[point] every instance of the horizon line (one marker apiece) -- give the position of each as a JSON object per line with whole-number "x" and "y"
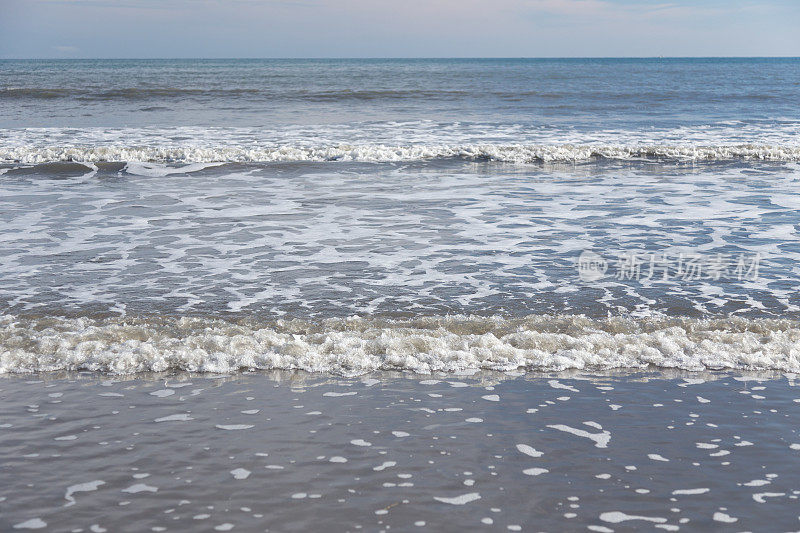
{"x": 313, "y": 58}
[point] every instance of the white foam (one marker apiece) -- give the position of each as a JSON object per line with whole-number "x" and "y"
{"x": 459, "y": 500}
{"x": 615, "y": 517}
{"x": 558, "y": 385}
{"x": 425, "y": 345}
{"x": 689, "y": 492}
{"x": 140, "y": 487}
{"x": 33, "y": 523}
{"x": 760, "y": 497}
{"x": 156, "y": 170}
{"x": 144, "y": 160}
{"x": 706, "y": 445}
{"x": 725, "y": 518}
{"x": 240, "y": 473}
{"x": 528, "y": 450}
{"x": 80, "y": 487}
{"x": 535, "y": 471}
{"x": 600, "y": 439}
{"x": 182, "y": 417}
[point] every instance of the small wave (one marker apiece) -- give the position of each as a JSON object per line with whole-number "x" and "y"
{"x": 126, "y": 93}
{"x": 375, "y": 94}
{"x": 34, "y": 93}
{"x": 429, "y": 344}
{"x": 141, "y": 93}
{"x": 509, "y": 153}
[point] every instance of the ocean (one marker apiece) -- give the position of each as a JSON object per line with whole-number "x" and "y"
{"x": 434, "y": 255}
{"x": 353, "y": 215}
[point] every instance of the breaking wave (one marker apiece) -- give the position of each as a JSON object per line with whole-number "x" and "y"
{"x": 510, "y": 153}
{"x": 428, "y": 344}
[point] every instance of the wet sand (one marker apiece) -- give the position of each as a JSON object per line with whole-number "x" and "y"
{"x": 284, "y": 451}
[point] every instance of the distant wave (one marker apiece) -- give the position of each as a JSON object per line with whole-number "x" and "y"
{"x": 427, "y": 344}
{"x": 332, "y": 95}
{"x": 510, "y": 153}
{"x": 141, "y": 93}
{"x": 33, "y": 92}
{"x": 128, "y": 93}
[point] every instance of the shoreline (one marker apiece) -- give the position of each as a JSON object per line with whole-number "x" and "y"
{"x": 259, "y": 451}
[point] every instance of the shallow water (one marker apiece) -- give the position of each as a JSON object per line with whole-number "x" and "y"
{"x": 151, "y": 245}
{"x": 326, "y": 240}
{"x": 298, "y": 452}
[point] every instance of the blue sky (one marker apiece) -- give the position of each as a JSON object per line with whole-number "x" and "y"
{"x": 409, "y": 28}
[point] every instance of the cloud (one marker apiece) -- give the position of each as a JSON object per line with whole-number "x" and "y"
{"x": 571, "y": 7}
{"x": 628, "y": 16}
{"x": 425, "y": 28}
{"x": 577, "y": 9}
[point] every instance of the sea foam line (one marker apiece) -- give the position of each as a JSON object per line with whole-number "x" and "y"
{"x": 424, "y": 345}
{"x": 510, "y": 153}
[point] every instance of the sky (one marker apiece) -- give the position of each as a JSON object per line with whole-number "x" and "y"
{"x": 400, "y": 28}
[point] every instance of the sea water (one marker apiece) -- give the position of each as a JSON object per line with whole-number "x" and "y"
{"x": 421, "y": 215}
